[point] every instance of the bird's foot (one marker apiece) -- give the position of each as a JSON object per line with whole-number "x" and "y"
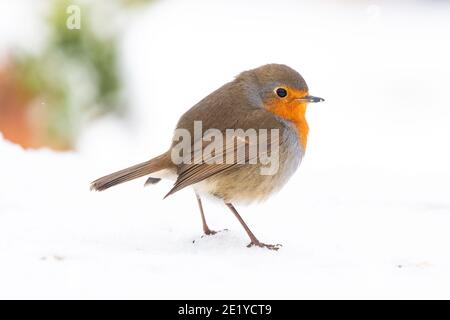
{"x": 209, "y": 232}
{"x": 274, "y": 247}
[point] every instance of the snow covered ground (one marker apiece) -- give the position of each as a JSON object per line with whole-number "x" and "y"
{"x": 366, "y": 216}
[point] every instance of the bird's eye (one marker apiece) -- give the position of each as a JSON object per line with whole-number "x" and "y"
{"x": 281, "y": 92}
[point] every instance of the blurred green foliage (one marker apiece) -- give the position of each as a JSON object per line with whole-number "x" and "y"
{"x": 87, "y": 48}
{"x": 76, "y": 75}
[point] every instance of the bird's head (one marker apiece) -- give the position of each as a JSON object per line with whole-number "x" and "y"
{"x": 282, "y": 91}
{"x": 282, "y": 86}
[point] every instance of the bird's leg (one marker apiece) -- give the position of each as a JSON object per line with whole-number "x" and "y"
{"x": 253, "y": 240}
{"x": 206, "y": 229}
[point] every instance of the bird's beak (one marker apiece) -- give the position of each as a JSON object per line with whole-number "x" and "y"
{"x": 310, "y": 99}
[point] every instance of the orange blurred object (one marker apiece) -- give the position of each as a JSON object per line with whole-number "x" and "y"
{"x": 22, "y": 116}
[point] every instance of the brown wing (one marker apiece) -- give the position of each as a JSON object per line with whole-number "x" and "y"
{"x": 239, "y": 153}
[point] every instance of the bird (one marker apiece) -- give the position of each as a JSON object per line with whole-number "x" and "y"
{"x": 272, "y": 97}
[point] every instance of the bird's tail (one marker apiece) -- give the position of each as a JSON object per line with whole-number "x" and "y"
{"x": 142, "y": 169}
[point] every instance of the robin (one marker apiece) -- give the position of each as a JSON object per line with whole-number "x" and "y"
{"x": 272, "y": 97}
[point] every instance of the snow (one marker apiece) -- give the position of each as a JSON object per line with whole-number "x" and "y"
{"x": 366, "y": 216}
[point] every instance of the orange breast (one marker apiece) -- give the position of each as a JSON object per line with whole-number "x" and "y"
{"x": 294, "y": 112}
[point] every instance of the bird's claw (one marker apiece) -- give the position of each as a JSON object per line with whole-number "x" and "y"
{"x": 212, "y": 232}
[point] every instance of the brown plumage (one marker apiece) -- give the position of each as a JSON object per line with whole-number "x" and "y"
{"x": 251, "y": 102}
{"x": 137, "y": 171}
